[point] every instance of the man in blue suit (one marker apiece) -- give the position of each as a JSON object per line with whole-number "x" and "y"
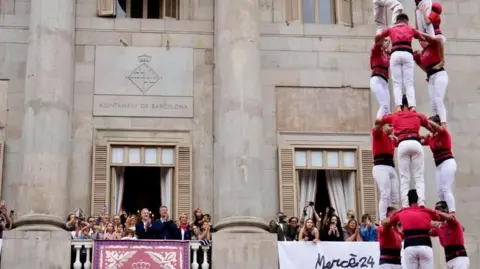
{"x": 144, "y": 229}
{"x": 165, "y": 228}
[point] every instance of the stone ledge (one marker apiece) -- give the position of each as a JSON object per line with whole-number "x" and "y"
{"x": 242, "y": 224}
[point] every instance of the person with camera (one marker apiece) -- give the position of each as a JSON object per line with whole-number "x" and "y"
{"x": 310, "y": 212}
{"x": 368, "y": 229}
{"x": 332, "y": 228}
{"x": 284, "y": 231}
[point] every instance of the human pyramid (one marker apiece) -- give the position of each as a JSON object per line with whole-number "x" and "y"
{"x": 400, "y": 129}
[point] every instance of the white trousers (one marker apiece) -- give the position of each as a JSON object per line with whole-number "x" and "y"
{"x": 437, "y": 87}
{"x": 459, "y": 263}
{"x": 422, "y": 26}
{"x": 380, "y": 88}
{"x": 389, "y": 187}
{"x": 401, "y": 66}
{"x": 411, "y": 164}
{"x": 380, "y": 12}
{"x": 444, "y": 177}
{"x": 390, "y": 266}
{"x": 418, "y": 257}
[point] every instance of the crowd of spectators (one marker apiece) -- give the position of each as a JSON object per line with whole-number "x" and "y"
{"x": 141, "y": 225}
{"x": 311, "y": 226}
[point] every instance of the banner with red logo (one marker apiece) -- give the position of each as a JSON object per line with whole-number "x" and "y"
{"x": 141, "y": 254}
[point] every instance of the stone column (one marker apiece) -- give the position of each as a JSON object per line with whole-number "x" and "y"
{"x": 41, "y": 199}
{"x": 241, "y": 240}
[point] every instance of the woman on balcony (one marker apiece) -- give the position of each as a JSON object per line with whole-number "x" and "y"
{"x": 309, "y": 232}
{"x": 184, "y": 229}
{"x": 332, "y": 229}
{"x": 110, "y": 233}
{"x": 352, "y": 231}
{"x": 131, "y": 222}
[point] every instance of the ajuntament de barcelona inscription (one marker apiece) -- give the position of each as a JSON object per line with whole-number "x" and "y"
{"x": 143, "y": 106}
{"x": 135, "y": 87}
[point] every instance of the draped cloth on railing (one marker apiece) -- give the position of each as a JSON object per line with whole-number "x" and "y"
{"x": 328, "y": 255}
{"x": 127, "y": 254}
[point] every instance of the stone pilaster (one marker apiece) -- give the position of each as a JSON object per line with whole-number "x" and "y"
{"x": 238, "y": 123}
{"x": 42, "y": 188}
{"x": 238, "y": 141}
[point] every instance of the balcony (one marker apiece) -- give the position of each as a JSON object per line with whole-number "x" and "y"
{"x": 83, "y": 252}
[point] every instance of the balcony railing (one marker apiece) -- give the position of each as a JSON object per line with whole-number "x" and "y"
{"x": 82, "y": 252}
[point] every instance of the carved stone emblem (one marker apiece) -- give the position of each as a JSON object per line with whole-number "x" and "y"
{"x": 144, "y": 77}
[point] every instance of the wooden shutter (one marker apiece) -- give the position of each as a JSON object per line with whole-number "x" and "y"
{"x": 344, "y": 12}
{"x": 2, "y": 153}
{"x": 287, "y": 184}
{"x": 183, "y": 187}
{"x": 106, "y": 8}
{"x": 369, "y": 195}
{"x": 292, "y": 11}
{"x": 100, "y": 182}
{"x": 171, "y": 9}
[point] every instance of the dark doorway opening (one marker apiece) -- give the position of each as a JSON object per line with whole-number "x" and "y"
{"x": 322, "y": 199}
{"x": 142, "y": 189}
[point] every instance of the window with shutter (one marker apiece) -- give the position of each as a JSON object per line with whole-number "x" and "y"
{"x": 106, "y": 8}
{"x": 147, "y": 9}
{"x": 344, "y": 12}
{"x": 183, "y": 193}
{"x": 368, "y": 187}
{"x": 2, "y": 153}
{"x": 100, "y": 182}
{"x": 292, "y": 10}
{"x": 287, "y": 184}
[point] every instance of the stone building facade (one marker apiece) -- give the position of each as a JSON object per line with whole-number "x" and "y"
{"x": 233, "y": 96}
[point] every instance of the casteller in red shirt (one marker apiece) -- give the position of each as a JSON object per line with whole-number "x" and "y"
{"x": 390, "y": 242}
{"x": 401, "y": 36}
{"x": 441, "y": 145}
{"x": 416, "y": 222}
{"x": 383, "y": 148}
{"x": 429, "y": 57}
{"x": 450, "y": 234}
{"x": 435, "y": 18}
{"x": 451, "y": 238}
{"x": 406, "y": 124}
{"x": 379, "y": 62}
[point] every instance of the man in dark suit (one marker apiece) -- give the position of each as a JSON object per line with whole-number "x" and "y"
{"x": 144, "y": 230}
{"x": 165, "y": 228}
{"x": 284, "y": 231}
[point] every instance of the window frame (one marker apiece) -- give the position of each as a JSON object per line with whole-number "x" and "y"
{"x": 142, "y": 148}
{"x": 325, "y": 151}
{"x": 101, "y": 191}
{"x": 334, "y": 11}
{"x": 108, "y": 8}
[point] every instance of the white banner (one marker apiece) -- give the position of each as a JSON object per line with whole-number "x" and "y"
{"x": 328, "y": 255}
